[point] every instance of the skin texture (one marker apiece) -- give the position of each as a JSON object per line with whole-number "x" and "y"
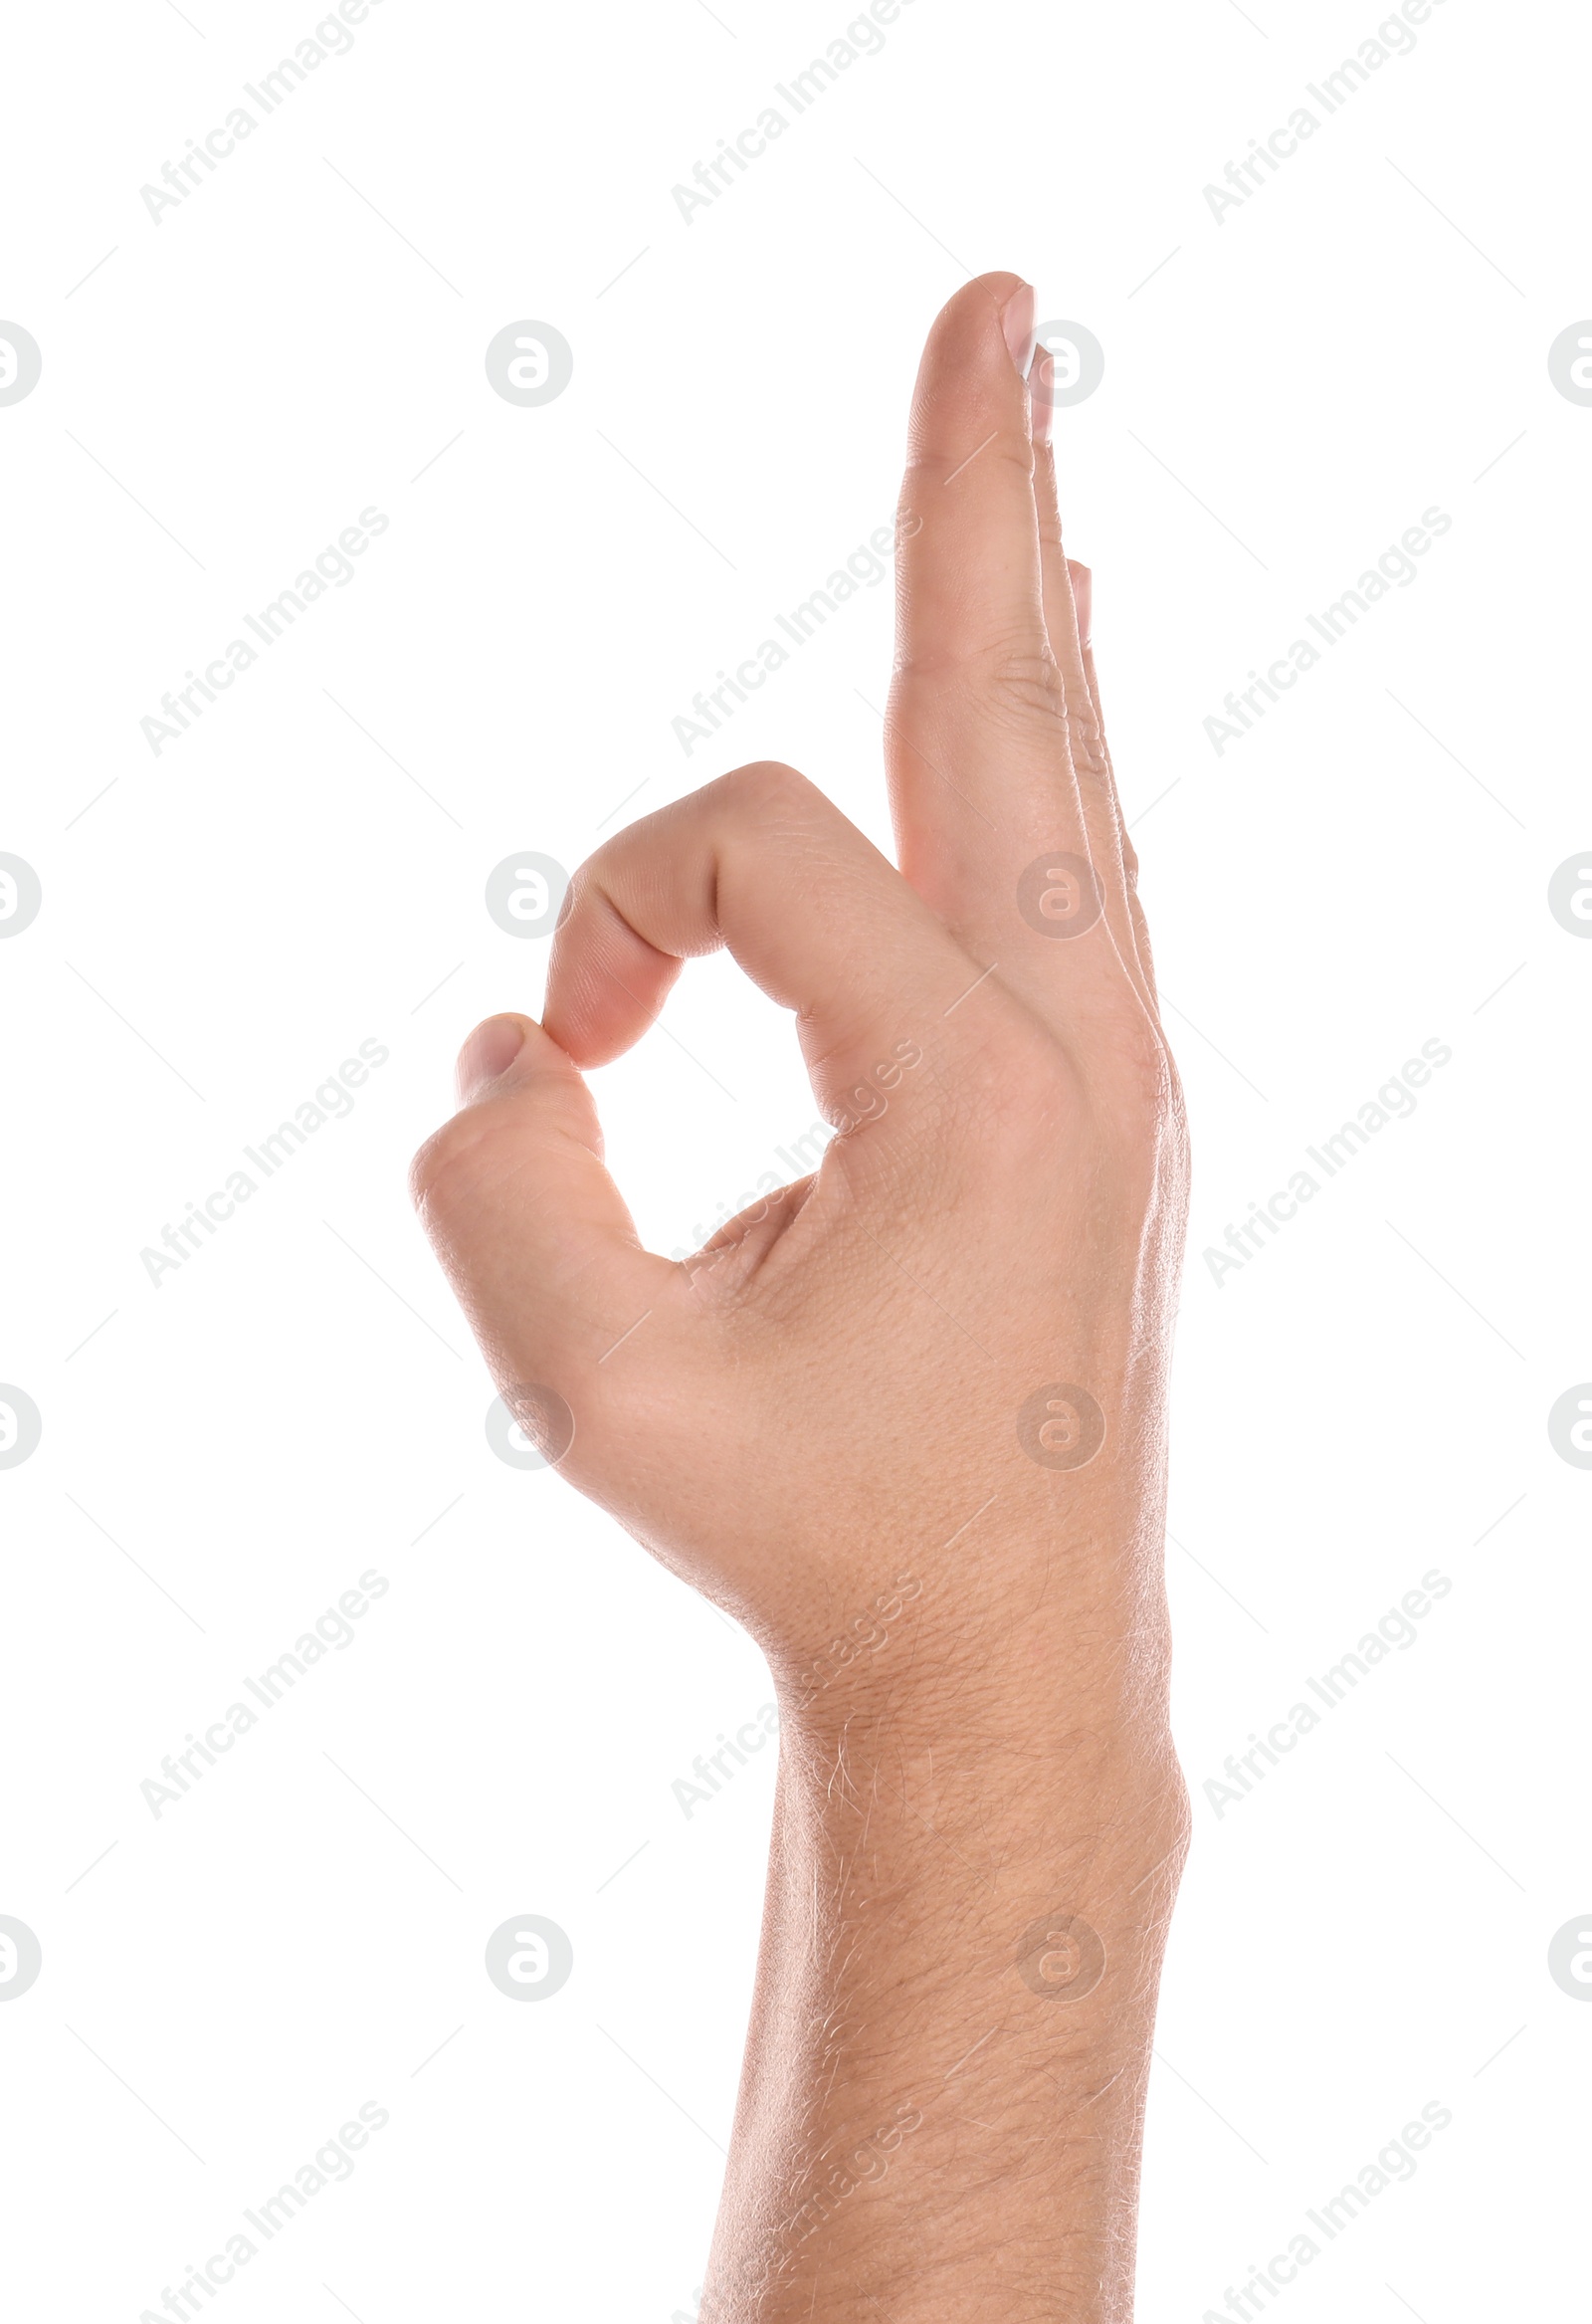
{"x": 906, "y": 1420}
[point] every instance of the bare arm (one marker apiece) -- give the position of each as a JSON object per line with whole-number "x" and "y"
{"x": 906, "y": 1420}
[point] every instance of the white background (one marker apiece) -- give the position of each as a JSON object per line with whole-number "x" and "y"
{"x": 1286, "y": 392}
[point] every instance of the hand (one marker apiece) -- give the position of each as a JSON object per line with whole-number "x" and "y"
{"x": 929, "y": 1378}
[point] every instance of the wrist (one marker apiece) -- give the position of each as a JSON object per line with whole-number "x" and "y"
{"x": 1031, "y": 1662}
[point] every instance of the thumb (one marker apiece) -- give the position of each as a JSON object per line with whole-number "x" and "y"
{"x": 531, "y": 1230}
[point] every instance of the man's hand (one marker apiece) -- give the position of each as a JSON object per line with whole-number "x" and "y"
{"x": 904, "y": 1420}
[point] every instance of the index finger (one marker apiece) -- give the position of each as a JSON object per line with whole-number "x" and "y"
{"x": 762, "y": 863}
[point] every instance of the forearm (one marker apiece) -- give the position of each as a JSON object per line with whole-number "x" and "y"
{"x": 969, "y": 1887}
{"x": 966, "y": 1307}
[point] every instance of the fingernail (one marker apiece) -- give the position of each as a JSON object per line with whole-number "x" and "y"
{"x": 1017, "y": 324}
{"x": 1041, "y": 377}
{"x": 489, "y": 1051}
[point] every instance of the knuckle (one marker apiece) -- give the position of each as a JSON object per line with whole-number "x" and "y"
{"x": 1014, "y": 682}
{"x": 1024, "y": 688}
{"x": 768, "y": 789}
{"x": 948, "y": 455}
{"x": 1088, "y": 750}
